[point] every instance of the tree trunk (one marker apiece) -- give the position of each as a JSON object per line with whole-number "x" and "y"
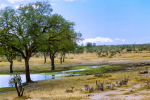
{"x": 64, "y": 57}
{"x": 52, "y": 62}
{"x": 44, "y": 57}
{"x": 20, "y": 59}
{"x": 61, "y": 60}
{"x": 11, "y": 64}
{"x": 28, "y": 79}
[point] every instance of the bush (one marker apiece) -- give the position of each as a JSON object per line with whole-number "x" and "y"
{"x": 16, "y": 81}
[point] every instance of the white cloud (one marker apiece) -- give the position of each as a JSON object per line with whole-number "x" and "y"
{"x": 117, "y": 39}
{"x": 16, "y": 7}
{"x": 13, "y": 1}
{"x": 123, "y": 40}
{"x": 97, "y": 39}
{"x": 2, "y": 5}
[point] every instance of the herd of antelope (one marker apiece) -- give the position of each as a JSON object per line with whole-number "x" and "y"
{"x": 100, "y": 85}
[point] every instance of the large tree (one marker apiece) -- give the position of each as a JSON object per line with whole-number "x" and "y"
{"x": 65, "y": 41}
{"x": 31, "y": 26}
{"x": 24, "y": 29}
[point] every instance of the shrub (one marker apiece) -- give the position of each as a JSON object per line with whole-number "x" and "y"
{"x": 16, "y": 81}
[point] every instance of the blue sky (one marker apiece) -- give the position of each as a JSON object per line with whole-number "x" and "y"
{"x": 108, "y": 22}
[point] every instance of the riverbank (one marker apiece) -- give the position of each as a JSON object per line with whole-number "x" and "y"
{"x": 37, "y": 64}
{"x": 55, "y": 89}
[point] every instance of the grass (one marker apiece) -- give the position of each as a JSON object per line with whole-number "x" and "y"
{"x": 6, "y": 89}
{"x": 98, "y": 70}
{"x": 57, "y": 87}
{"x": 37, "y": 65}
{"x": 80, "y": 67}
{"x": 129, "y": 92}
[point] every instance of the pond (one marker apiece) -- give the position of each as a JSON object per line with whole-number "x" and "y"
{"x": 35, "y": 77}
{"x": 4, "y": 79}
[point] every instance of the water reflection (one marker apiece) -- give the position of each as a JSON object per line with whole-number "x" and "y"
{"x": 53, "y": 76}
{"x": 4, "y": 79}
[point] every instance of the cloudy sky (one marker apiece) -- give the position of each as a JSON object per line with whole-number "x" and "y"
{"x": 103, "y": 21}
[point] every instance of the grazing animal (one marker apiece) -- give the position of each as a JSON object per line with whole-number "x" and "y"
{"x": 70, "y": 91}
{"x": 86, "y": 87}
{"x": 111, "y": 86}
{"x": 91, "y": 89}
{"x": 99, "y": 86}
{"x": 144, "y": 72}
{"x": 117, "y": 83}
{"x": 147, "y": 84}
{"x": 122, "y": 82}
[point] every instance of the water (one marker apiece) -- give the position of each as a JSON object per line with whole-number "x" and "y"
{"x": 4, "y": 79}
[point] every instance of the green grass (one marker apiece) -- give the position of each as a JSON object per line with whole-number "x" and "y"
{"x": 80, "y": 67}
{"x": 98, "y": 70}
{"x": 4, "y": 89}
{"x": 31, "y": 72}
{"x": 88, "y": 70}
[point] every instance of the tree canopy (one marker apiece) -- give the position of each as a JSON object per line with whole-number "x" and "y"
{"x": 31, "y": 27}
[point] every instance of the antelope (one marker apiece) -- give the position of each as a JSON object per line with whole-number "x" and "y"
{"x": 147, "y": 84}
{"x": 70, "y": 91}
{"x": 144, "y": 72}
{"x": 118, "y": 83}
{"x": 100, "y": 86}
{"x": 91, "y": 89}
{"x": 111, "y": 86}
{"x": 86, "y": 87}
{"x": 122, "y": 82}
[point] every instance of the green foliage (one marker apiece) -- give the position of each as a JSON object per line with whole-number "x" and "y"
{"x": 89, "y": 47}
{"x": 38, "y": 54}
{"x": 32, "y": 28}
{"x": 3, "y": 59}
{"x": 79, "y": 49}
{"x": 16, "y": 81}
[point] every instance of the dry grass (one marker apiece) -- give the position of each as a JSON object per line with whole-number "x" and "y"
{"x": 55, "y": 89}
{"x": 37, "y": 64}
{"x": 83, "y": 58}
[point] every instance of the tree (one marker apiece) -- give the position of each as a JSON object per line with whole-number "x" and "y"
{"x": 9, "y": 54}
{"x": 31, "y": 26}
{"x": 45, "y": 54}
{"x": 89, "y": 47}
{"x": 16, "y": 81}
{"x": 79, "y": 50}
{"x": 24, "y": 28}
{"x": 65, "y": 41}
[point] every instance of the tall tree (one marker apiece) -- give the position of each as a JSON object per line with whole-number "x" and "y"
{"x": 24, "y": 28}
{"x": 66, "y": 39}
{"x": 31, "y": 26}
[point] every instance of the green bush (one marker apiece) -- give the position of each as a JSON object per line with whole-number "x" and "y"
{"x": 3, "y": 59}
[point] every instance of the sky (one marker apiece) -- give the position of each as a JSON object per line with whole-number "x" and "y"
{"x": 104, "y": 22}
